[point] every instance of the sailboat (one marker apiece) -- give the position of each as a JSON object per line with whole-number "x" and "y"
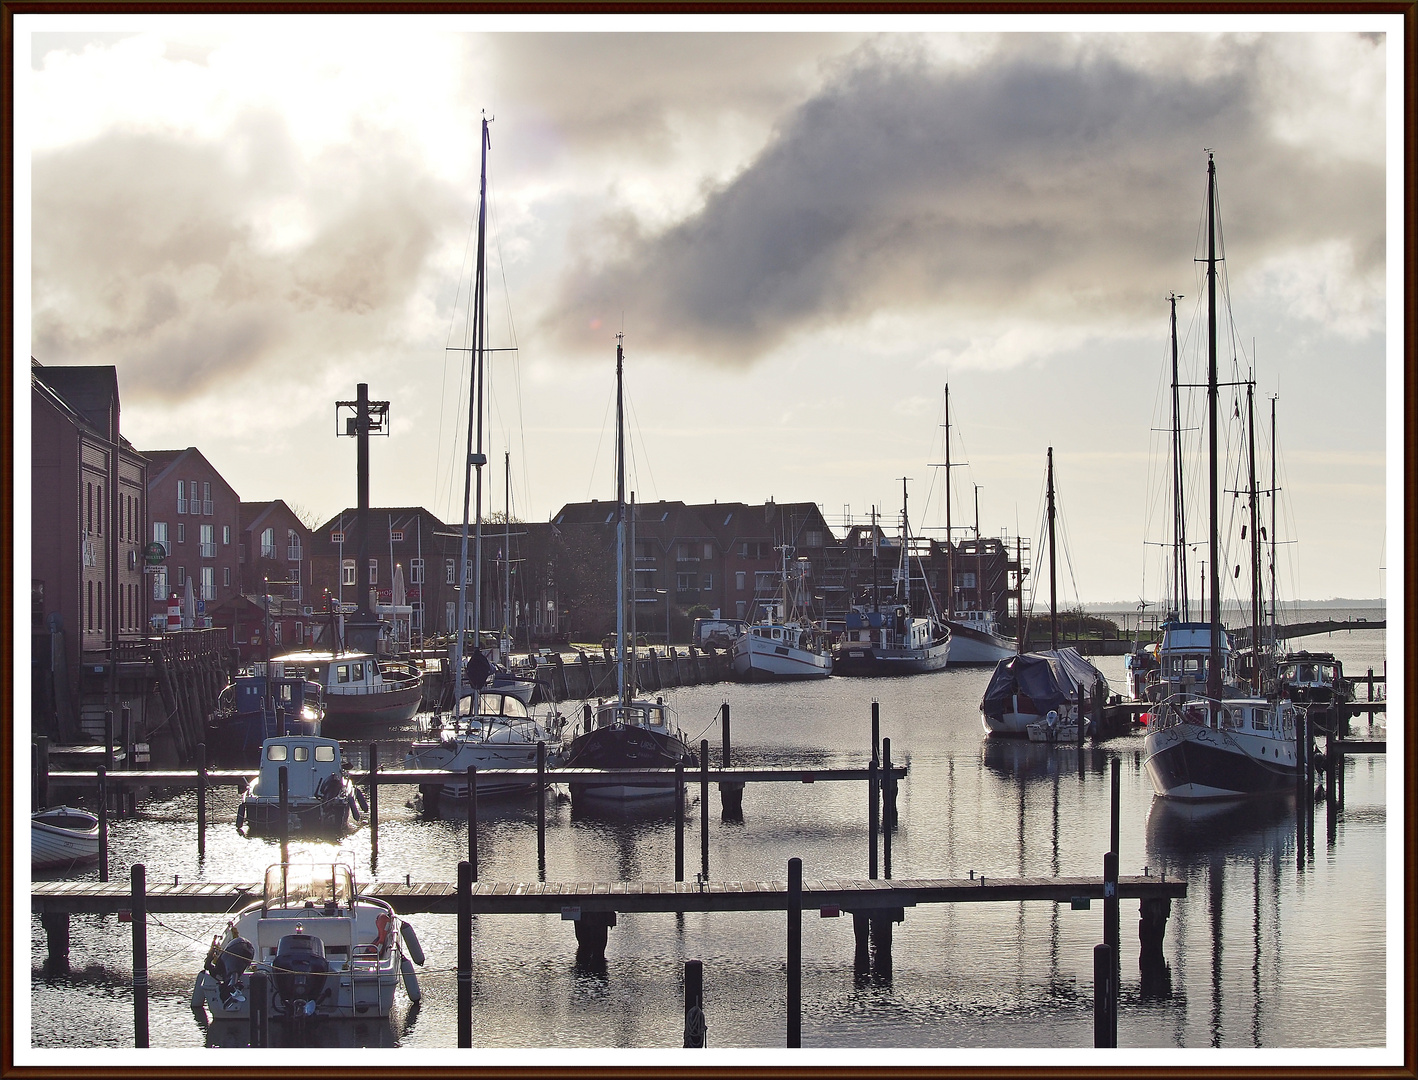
{"x": 975, "y": 637}
{"x": 489, "y": 727}
{"x": 1207, "y": 745}
{"x": 893, "y": 639}
{"x": 1036, "y": 695}
{"x": 626, "y": 732}
{"x": 785, "y": 644}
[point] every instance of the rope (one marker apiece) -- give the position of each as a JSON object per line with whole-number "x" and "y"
{"x": 696, "y": 1028}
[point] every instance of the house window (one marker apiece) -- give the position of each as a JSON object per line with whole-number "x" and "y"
{"x": 347, "y": 569}
{"x": 181, "y": 576}
{"x": 209, "y": 583}
{"x": 397, "y": 536}
{"x": 160, "y": 583}
{"x": 337, "y": 537}
{"x": 181, "y": 497}
{"x": 448, "y": 571}
{"x": 226, "y": 535}
{"x": 160, "y": 535}
{"x": 100, "y": 527}
{"x": 708, "y": 551}
{"x": 206, "y": 499}
{"x": 967, "y": 581}
{"x": 708, "y": 581}
{"x": 812, "y": 538}
{"x": 685, "y": 582}
{"x": 226, "y": 577}
{"x": 181, "y": 533}
{"x": 739, "y": 581}
{"x": 207, "y": 541}
{"x": 268, "y": 544}
{"x": 415, "y": 571}
{"x": 374, "y": 571}
{"x": 467, "y": 571}
{"x": 292, "y": 546}
{"x": 89, "y": 619}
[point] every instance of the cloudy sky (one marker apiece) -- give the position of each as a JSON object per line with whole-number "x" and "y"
{"x": 804, "y": 234}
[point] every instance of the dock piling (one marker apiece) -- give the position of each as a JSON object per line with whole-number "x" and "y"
{"x": 473, "y": 821}
{"x": 679, "y": 821}
{"x": 795, "y": 952}
{"x": 695, "y": 1029}
{"x": 283, "y": 780}
{"x": 1151, "y": 929}
{"x": 1117, "y": 804}
{"x": 56, "y": 937}
{"x": 108, "y": 739}
{"x": 465, "y": 956}
{"x": 139, "y": 880}
{"x": 1105, "y": 1018}
{"x": 373, "y": 804}
{"x": 873, "y": 824}
{"x": 1110, "y": 900}
{"x": 704, "y": 808}
{"x": 41, "y": 784}
{"x": 730, "y": 794}
{"x": 875, "y": 728}
{"x": 201, "y": 801}
{"x": 541, "y": 808}
{"x": 888, "y": 816}
{"x": 102, "y": 824}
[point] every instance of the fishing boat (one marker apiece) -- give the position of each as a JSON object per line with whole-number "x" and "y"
{"x": 319, "y": 797}
{"x": 259, "y": 705}
{"x": 786, "y": 644}
{"x": 892, "y": 639}
{"x": 1316, "y": 681}
{"x": 626, "y": 732}
{"x": 62, "y": 837}
{"x": 492, "y": 732}
{"x": 359, "y": 688}
{"x": 327, "y": 951}
{"x": 1202, "y": 743}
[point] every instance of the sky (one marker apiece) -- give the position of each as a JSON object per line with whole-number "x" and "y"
{"x": 805, "y": 230}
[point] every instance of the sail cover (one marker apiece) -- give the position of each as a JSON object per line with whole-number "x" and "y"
{"x": 1048, "y": 679}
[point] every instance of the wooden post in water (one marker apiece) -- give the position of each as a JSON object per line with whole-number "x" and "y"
{"x": 542, "y": 808}
{"x": 1105, "y": 1032}
{"x": 875, "y": 728}
{"x": 41, "y": 784}
{"x": 373, "y": 803}
{"x": 795, "y": 952}
{"x": 694, "y": 1027}
{"x": 873, "y": 824}
{"x": 1117, "y": 804}
{"x": 260, "y": 1005}
{"x": 201, "y": 801}
{"x": 1110, "y": 901}
{"x": 102, "y": 824}
{"x": 280, "y": 723}
{"x": 129, "y": 797}
{"x": 888, "y": 815}
{"x": 679, "y": 821}
{"x": 730, "y": 794}
{"x": 465, "y": 956}
{"x": 138, "y": 876}
{"x": 108, "y": 739}
{"x": 704, "y": 808}
{"x": 473, "y": 821}
{"x": 284, "y": 788}
{"x": 1081, "y": 724}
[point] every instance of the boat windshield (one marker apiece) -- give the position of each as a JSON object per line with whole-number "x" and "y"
{"x": 292, "y": 884}
{"x": 636, "y": 714}
{"x": 491, "y": 703}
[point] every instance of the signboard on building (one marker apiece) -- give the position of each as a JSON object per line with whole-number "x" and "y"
{"x": 154, "y": 553}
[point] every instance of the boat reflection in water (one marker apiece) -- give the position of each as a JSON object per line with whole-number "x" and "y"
{"x": 390, "y": 1031}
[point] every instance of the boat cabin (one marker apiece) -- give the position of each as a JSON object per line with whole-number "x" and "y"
{"x": 312, "y": 765}
{"x": 248, "y": 694}
{"x": 1255, "y": 716}
{"x": 1309, "y": 673}
{"x": 654, "y": 715}
{"x": 1185, "y": 655}
{"x": 340, "y": 673}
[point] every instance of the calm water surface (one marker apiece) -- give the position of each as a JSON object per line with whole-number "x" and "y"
{"x": 1278, "y": 943}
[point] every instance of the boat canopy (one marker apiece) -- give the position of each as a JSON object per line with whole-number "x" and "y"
{"x": 1049, "y": 679}
{"x": 293, "y": 884}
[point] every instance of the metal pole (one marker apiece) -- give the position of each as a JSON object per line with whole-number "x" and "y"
{"x": 679, "y": 821}
{"x": 374, "y": 803}
{"x": 542, "y": 807}
{"x": 102, "y": 824}
{"x": 704, "y": 808}
{"x": 465, "y": 956}
{"x": 795, "y": 952}
{"x": 201, "y": 800}
{"x": 284, "y": 781}
{"x": 108, "y": 740}
{"x": 473, "y": 821}
{"x": 42, "y": 770}
{"x": 140, "y": 955}
{"x": 873, "y": 822}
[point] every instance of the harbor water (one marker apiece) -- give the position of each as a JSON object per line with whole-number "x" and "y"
{"x": 1281, "y": 941}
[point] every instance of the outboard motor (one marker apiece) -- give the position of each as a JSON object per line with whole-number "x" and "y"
{"x": 300, "y": 973}
{"x": 227, "y": 965}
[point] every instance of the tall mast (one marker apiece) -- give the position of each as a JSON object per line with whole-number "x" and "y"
{"x": 507, "y": 634}
{"x": 906, "y": 546}
{"x": 875, "y": 576}
{"x": 1255, "y": 543}
{"x": 475, "y": 457}
{"x": 1213, "y": 667}
{"x": 1053, "y": 602}
{"x": 949, "y": 536}
{"x": 1179, "y": 515}
{"x": 621, "y": 683}
{"x": 979, "y": 583}
{"x": 1274, "y": 495}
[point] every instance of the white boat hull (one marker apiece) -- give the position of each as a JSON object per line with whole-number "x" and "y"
{"x": 53, "y": 847}
{"x": 489, "y": 758}
{"x": 756, "y": 659}
{"x": 969, "y": 645}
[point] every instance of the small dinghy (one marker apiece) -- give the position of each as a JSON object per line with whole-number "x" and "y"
{"x": 328, "y": 952}
{"x": 63, "y": 836}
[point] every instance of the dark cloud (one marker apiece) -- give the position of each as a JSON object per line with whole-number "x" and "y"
{"x": 158, "y": 254}
{"x": 1047, "y": 183}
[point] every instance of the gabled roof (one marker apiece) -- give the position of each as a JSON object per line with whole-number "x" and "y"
{"x": 164, "y": 462}
{"x": 89, "y": 391}
{"x": 255, "y": 514}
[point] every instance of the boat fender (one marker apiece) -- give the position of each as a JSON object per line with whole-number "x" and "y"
{"x": 411, "y": 943}
{"x": 240, "y": 815}
{"x": 382, "y": 926}
{"x": 363, "y": 802}
{"x": 354, "y": 806}
{"x": 411, "y": 980}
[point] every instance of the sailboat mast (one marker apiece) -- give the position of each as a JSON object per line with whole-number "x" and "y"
{"x": 1255, "y": 542}
{"x": 474, "y": 459}
{"x": 1213, "y": 668}
{"x": 1053, "y": 601}
{"x": 620, "y": 519}
{"x": 979, "y": 567}
{"x": 1179, "y": 514}
{"x": 949, "y": 536}
{"x": 875, "y": 575}
{"x": 905, "y": 548}
{"x": 507, "y": 551}
{"x": 1274, "y": 495}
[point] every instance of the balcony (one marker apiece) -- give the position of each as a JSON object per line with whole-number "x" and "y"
{"x": 206, "y": 507}
{"x": 293, "y": 553}
{"x": 207, "y": 551}
{"x": 181, "y": 506}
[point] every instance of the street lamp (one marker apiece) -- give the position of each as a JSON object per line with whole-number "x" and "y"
{"x": 666, "y": 594}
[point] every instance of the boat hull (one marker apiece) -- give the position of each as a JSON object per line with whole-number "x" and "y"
{"x": 755, "y": 660}
{"x": 395, "y": 706}
{"x": 1194, "y": 763}
{"x": 969, "y": 645}
{"x": 56, "y": 847}
{"x": 621, "y": 746}
{"x": 490, "y": 759}
{"x": 876, "y": 661}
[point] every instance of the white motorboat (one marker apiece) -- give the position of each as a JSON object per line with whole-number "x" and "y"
{"x": 492, "y": 732}
{"x": 328, "y": 952}
{"x": 62, "y": 837}
{"x": 359, "y": 687}
{"x": 1199, "y": 750}
{"x": 975, "y": 638}
{"x": 786, "y": 644}
{"x": 320, "y": 798}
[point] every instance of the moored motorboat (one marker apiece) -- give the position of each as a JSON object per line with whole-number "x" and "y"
{"x": 358, "y": 687}
{"x": 975, "y": 638}
{"x": 259, "y": 705}
{"x": 319, "y": 797}
{"x": 1024, "y": 689}
{"x": 786, "y": 644}
{"x": 62, "y": 837}
{"x": 327, "y": 951}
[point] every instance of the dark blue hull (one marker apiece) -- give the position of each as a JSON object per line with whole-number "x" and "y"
{"x": 1184, "y": 766}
